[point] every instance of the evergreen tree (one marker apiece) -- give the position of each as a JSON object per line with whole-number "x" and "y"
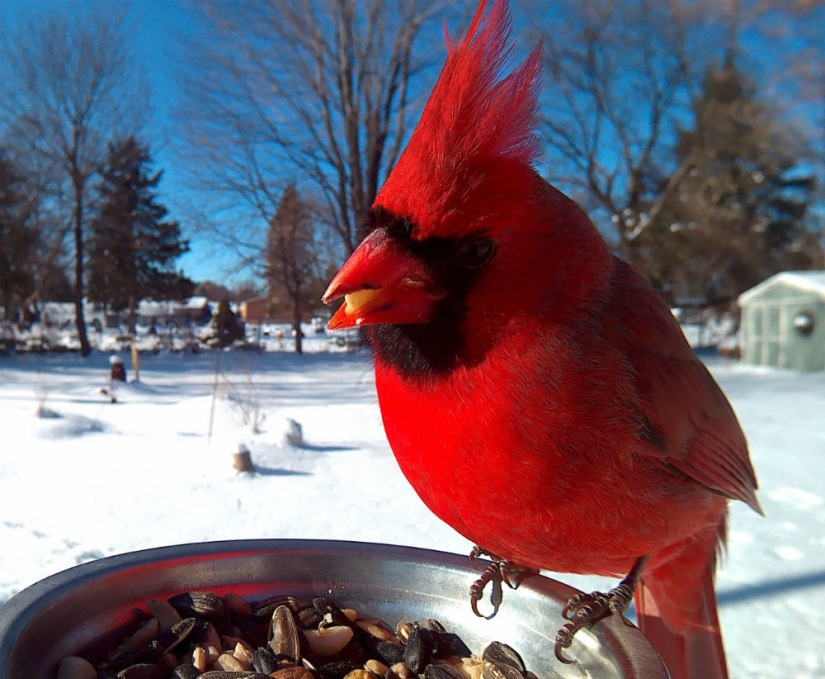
{"x": 17, "y": 240}
{"x": 133, "y": 245}
{"x": 291, "y": 259}
{"x": 739, "y": 214}
{"x": 226, "y": 328}
{"x": 56, "y": 284}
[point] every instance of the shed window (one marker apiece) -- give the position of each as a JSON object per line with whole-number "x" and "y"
{"x": 803, "y": 322}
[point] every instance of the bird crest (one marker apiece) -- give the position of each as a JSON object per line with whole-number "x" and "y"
{"x": 474, "y": 117}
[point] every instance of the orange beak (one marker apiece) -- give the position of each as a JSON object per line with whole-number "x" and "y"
{"x": 381, "y": 282}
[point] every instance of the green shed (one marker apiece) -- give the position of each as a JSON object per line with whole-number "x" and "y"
{"x": 783, "y": 321}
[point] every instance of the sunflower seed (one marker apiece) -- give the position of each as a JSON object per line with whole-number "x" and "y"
{"x": 284, "y": 641}
{"x": 419, "y": 649}
{"x": 204, "y": 605}
{"x": 502, "y": 654}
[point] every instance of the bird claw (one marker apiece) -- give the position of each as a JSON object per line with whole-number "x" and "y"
{"x": 497, "y": 572}
{"x": 490, "y": 573}
{"x": 564, "y": 637}
{"x": 585, "y": 610}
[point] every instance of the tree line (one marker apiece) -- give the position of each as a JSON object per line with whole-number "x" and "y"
{"x": 691, "y": 131}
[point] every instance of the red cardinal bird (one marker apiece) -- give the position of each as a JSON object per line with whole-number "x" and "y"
{"x": 536, "y": 391}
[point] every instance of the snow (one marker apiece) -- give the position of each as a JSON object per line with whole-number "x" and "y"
{"x": 88, "y": 478}
{"x": 812, "y": 281}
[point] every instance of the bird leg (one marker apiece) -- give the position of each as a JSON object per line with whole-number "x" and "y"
{"x": 584, "y": 610}
{"x": 500, "y": 570}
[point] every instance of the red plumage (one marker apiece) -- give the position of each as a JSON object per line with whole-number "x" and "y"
{"x": 536, "y": 391}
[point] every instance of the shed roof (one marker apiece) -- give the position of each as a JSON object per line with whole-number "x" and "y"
{"x": 812, "y": 281}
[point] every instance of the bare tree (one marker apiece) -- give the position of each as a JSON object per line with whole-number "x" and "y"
{"x": 70, "y": 89}
{"x": 47, "y": 213}
{"x": 618, "y": 78}
{"x": 317, "y": 91}
{"x": 292, "y": 261}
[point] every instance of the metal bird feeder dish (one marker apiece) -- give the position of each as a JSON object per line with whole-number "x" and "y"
{"x": 92, "y": 607}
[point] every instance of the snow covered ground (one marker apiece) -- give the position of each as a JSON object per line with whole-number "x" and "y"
{"x": 88, "y": 478}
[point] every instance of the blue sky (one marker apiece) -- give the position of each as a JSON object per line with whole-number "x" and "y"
{"x": 160, "y": 26}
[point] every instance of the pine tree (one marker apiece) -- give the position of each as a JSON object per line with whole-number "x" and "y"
{"x": 225, "y": 327}
{"x": 133, "y": 245}
{"x": 291, "y": 259}
{"x": 739, "y": 214}
{"x": 17, "y": 240}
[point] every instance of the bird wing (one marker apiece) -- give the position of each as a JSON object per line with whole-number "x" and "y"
{"x": 688, "y": 420}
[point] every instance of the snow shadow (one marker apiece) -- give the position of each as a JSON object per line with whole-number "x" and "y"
{"x": 73, "y": 426}
{"x": 316, "y": 448}
{"x": 278, "y": 471}
{"x": 45, "y": 413}
{"x": 770, "y": 588}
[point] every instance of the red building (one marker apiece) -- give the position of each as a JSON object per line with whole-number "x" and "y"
{"x": 255, "y": 310}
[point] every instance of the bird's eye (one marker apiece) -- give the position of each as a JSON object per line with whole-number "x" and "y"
{"x": 477, "y": 253}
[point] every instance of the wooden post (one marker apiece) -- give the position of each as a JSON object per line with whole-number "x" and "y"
{"x": 135, "y": 360}
{"x": 242, "y": 460}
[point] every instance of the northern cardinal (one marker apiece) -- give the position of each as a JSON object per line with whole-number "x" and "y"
{"x": 536, "y": 391}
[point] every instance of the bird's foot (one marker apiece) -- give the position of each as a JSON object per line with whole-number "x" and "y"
{"x": 500, "y": 570}
{"x": 585, "y": 610}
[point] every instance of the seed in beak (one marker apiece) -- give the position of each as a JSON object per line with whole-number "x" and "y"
{"x": 359, "y": 299}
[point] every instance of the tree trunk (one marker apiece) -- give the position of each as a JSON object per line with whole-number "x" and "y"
{"x": 80, "y": 319}
{"x": 131, "y": 319}
{"x": 296, "y": 324}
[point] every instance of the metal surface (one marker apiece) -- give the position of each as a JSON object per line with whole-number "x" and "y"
{"x": 91, "y": 605}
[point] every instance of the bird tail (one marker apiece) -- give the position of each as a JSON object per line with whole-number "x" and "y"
{"x": 678, "y": 616}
